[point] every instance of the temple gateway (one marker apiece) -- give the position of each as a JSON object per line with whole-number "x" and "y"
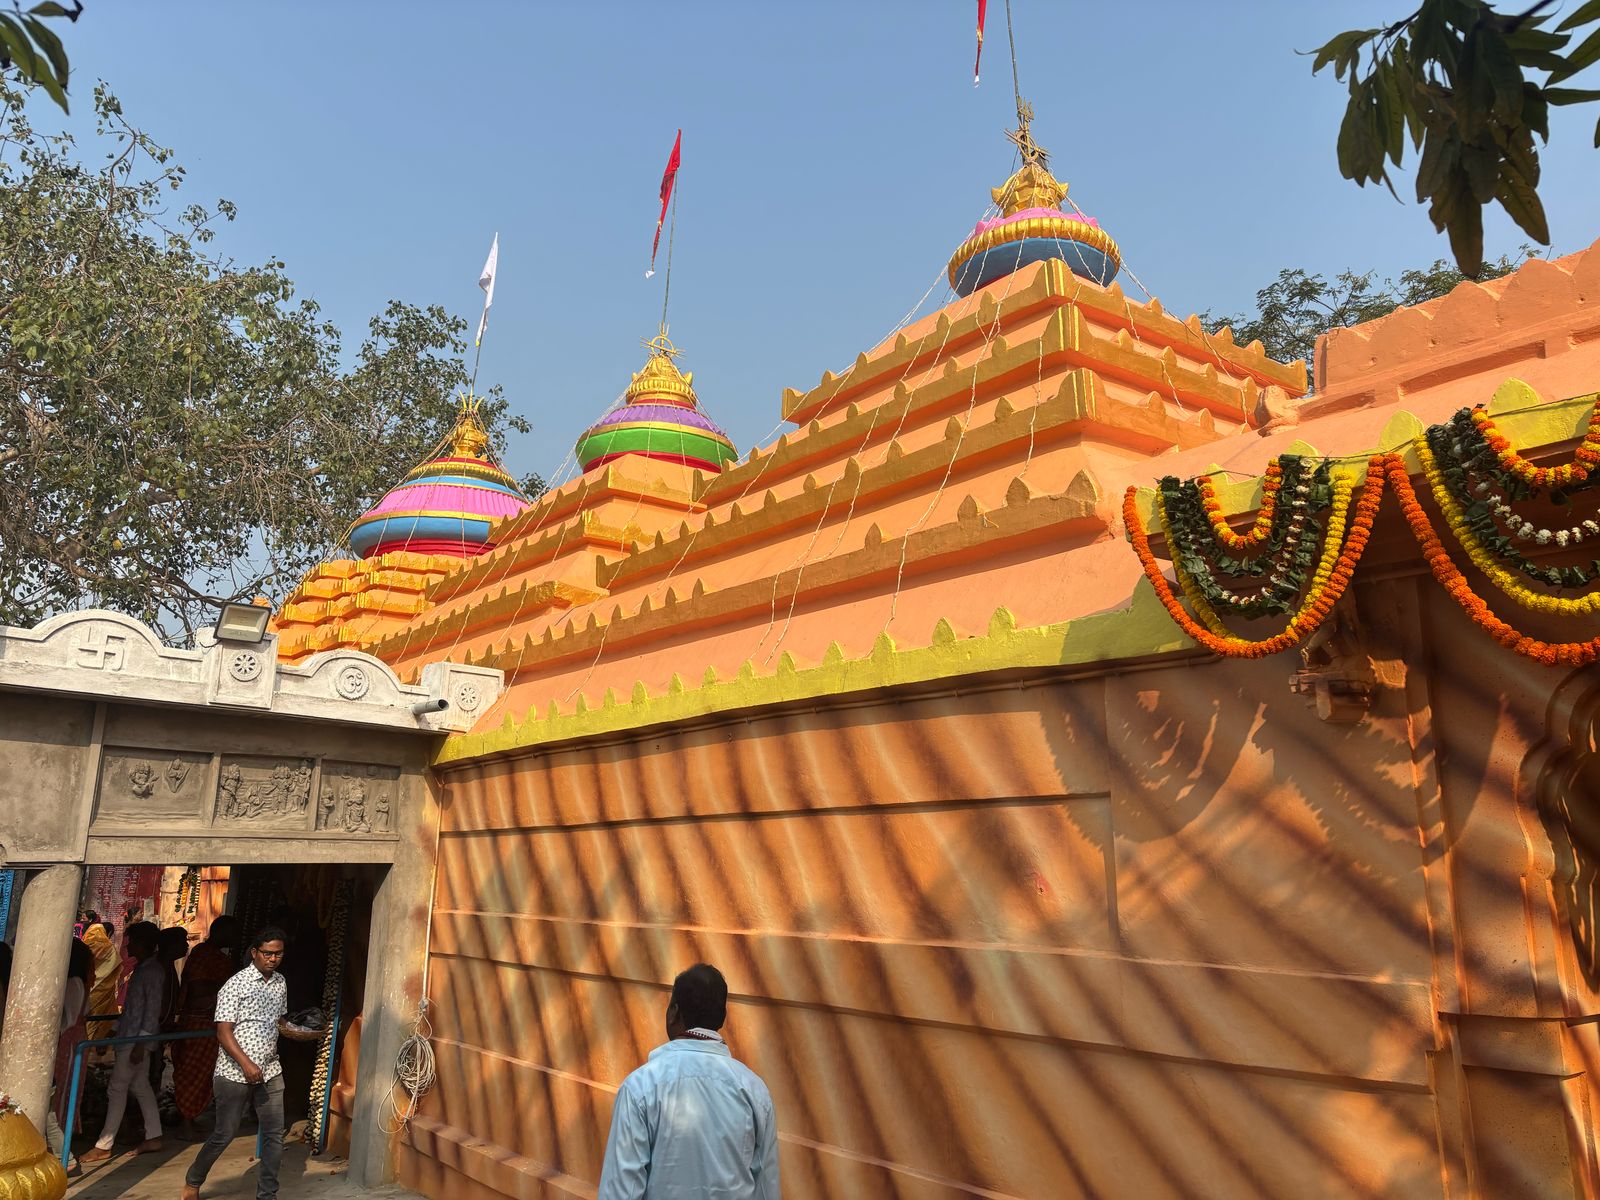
{"x": 1250, "y": 859}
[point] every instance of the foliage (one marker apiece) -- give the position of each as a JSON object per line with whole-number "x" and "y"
{"x": 177, "y": 429}
{"x": 1451, "y": 75}
{"x": 1297, "y": 308}
{"x": 30, "y": 45}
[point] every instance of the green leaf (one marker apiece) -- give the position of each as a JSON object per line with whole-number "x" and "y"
{"x": 1340, "y": 47}
{"x": 1584, "y": 15}
{"x": 19, "y": 45}
{"x": 47, "y": 41}
{"x": 51, "y": 9}
{"x": 1518, "y": 197}
{"x": 1570, "y": 95}
{"x": 1496, "y": 59}
{"x": 1584, "y": 56}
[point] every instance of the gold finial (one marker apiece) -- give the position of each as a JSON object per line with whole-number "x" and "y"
{"x": 1022, "y": 136}
{"x": 468, "y": 439}
{"x": 660, "y": 379}
{"x": 1032, "y": 186}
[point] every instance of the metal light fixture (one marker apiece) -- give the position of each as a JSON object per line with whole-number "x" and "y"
{"x": 243, "y": 623}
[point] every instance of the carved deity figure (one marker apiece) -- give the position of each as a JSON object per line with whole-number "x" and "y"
{"x": 325, "y": 806}
{"x": 228, "y": 790}
{"x": 380, "y": 810}
{"x": 255, "y": 800}
{"x": 355, "y": 807}
{"x": 177, "y": 772}
{"x": 279, "y": 795}
{"x": 142, "y": 778}
{"x": 300, "y": 786}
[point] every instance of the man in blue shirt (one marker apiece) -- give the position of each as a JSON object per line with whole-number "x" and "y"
{"x": 693, "y": 1122}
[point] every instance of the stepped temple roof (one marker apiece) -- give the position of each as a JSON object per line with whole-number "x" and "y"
{"x": 660, "y": 418}
{"x": 1032, "y": 227}
{"x": 446, "y": 505}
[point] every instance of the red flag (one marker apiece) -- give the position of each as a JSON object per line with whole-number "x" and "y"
{"x": 983, "y": 11}
{"x": 667, "y": 176}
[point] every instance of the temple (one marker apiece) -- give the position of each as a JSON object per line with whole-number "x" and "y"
{"x": 1032, "y": 876}
{"x": 883, "y": 717}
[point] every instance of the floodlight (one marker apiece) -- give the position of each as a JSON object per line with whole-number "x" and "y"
{"x": 243, "y": 623}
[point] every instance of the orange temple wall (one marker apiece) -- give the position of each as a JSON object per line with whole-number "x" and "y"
{"x": 1070, "y": 910}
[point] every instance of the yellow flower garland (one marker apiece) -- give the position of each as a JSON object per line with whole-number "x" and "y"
{"x": 1332, "y": 547}
{"x": 1507, "y": 581}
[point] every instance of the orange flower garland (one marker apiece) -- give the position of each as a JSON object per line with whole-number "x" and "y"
{"x": 1583, "y": 461}
{"x": 1570, "y": 654}
{"x": 1341, "y": 553}
{"x": 1263, "y": 523}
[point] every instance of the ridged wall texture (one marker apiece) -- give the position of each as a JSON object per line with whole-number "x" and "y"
{"x": 1155, "y": 932}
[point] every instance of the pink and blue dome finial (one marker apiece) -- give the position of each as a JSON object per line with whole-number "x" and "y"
{"x": 660, "y": 418}
{"x": 1032, "y": 226}
{"x": 449, "y": 504}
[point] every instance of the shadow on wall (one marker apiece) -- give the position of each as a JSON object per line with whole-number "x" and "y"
{"x": 1565, "y": 777}
{"x": 1162, "y": 933}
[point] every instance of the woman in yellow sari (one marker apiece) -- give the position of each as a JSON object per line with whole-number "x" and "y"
{"x": 107, "y": 967}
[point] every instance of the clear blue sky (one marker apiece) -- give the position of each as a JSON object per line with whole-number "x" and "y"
{"x": 834, "y": 154}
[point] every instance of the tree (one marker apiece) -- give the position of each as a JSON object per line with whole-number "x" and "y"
{"x": 176, "y": 429}
{"x": 1452, "y": 76}
{"x": 30, "y": 45}
{"x": 1297, "y": 308}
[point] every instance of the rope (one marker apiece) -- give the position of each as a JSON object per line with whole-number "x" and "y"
{"x": 413, "y": 1063}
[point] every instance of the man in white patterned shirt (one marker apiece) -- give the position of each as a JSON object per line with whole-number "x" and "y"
{"x": 141, "y": 1016}
{"x": 250, "y": 1015}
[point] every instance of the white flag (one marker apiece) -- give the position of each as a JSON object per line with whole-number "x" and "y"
{"x": 486, "y": 282}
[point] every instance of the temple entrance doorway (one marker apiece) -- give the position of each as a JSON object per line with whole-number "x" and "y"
{"x": 325, "y": 911}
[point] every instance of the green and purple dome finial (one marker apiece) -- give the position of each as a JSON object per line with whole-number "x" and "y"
{"x": 659, "y": 418}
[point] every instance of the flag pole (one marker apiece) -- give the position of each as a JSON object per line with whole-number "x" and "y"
{"x": 486, "y": 282}
{"x": 672, "y": 230}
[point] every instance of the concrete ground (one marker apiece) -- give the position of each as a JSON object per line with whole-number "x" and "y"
{"x": 160, "y": 1176}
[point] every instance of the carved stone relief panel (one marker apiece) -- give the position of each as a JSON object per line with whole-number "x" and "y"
{"x": 151, "y": 786}
{"x": 359, "y": 799}
{"x": 264, "y": 793}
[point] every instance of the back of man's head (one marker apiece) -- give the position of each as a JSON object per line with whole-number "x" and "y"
{"x": 142, "y": 938}
{"x": 701, "y": 997}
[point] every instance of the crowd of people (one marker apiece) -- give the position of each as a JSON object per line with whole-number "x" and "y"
{"x": 135, "y": 990}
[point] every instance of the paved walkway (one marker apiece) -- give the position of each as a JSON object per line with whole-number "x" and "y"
{"x": 160, "y": 1176}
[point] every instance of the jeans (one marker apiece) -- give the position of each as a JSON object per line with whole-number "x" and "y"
{"x": 126, "y": 1077}
{"x": 231, "y": 1100}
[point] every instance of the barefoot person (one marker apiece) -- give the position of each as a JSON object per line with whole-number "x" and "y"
{"x": 141, "y": 1015}
{"x": 250, "y": 1015}
{"x": 692, "y": 1122}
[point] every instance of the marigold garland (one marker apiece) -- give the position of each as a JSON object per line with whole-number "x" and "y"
{"x": 1577, "y": 471}
{"x": 1287, "y": 559}
{"x": 1506, "y": 581}
{"x": 1341, "y": 552}
{"x": 1222, "y": 531}
{"x": 1481, "y": 451}
{"x": 1571, "y": 654}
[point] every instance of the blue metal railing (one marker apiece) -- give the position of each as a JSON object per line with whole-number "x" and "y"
{"x": 83, "y": 1048}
